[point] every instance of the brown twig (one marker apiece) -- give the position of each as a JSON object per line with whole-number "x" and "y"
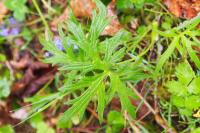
{"x": 92, "y": 112}
{"x": 158, "y": 118}
{"x": 141, "y": 97}
{"x": 133, "y": 126}
{"x": 147, "y": 113}
{"x": 90, "y": 118}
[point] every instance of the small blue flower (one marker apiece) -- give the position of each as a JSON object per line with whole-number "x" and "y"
{"x": 12, "y": 21}
{"x": 48, "y": 54}
{"x": 12, "y": 28}
{"x": 59, "y": 44}
{"x": 75, "y": 47}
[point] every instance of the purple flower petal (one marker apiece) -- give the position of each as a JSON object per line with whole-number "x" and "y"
{"x": 14, "y": 31}
{"x": 4, "y": 32}
{"x": 12, "y": 21}
{"x": 12, "y": 28}
{"x": 58, "y": 43}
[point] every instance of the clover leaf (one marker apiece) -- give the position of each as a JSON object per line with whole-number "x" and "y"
{"x": 18, "y": 7}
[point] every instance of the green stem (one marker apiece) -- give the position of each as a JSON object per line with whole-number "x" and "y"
{"x": 40, "y": 13}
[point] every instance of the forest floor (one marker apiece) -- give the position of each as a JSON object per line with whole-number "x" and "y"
{"x": 158, "y": 59}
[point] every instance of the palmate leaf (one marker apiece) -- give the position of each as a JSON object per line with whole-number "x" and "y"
{"x": 99, "y": 22}
{"x": 81, "y": 103}
{"x": 124, "y": 94}
{"x": 126, "y": 103}
{"x": 101, "y": 101}
{"x": 117, "y": 56}
{"x": 77, "y": 33}
{"x": 109, "y": 45}
{"x": 177, "y": 101}
{"x": 77, "y": 66}
{"x": 95, "y": 68}
{"x": 132, "y": 71}
{"x": 40, "y": 104}
{"x": 49, "y": 46}
{"x": 82, "y": 83}
{"x": 192, "y": 102}
{"x": 177, "y": 88}
{"x": 188, "y": 75}
{"x": 59, "y": 57}
{"x": 110, "y": 93}
{"x": 185, "y": 91}
{"x": 194, "y": 87}
{"x": 67, "y": 43}
{"x": 76, "y": 83}
{"x": 133, "y": 75}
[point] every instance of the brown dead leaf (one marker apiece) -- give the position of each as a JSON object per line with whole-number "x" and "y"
{"x": 59, "y": 1}
{"x": 38, "y": 81}
{"x": 183, "y": 8}
{"x": 33, "y": 80}
{"x": 134, "y": 24}
{"x": 3, "y": 11}
{"x": 62, "y": 18}
{"x": 143, "y": 110}
{"x": 114, "y": 25}
{"x": 36, "y": 75}
{"x": 84, "y": 8}
{"x": 6, "y": 118}
{"x": 22, "y": 63}
{"x": 80, "y": 8}
{"x": 164, "y": 124}
{"x": 20, "y": 114}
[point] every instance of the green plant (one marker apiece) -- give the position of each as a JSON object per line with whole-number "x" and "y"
{"x": 128, "y": 4}
{"x": 115, "y": 122}
{"x": 98, "y": 69}
{"x": 18, "y": 7}
{"x": 38, "y": 123}
{"x": 183, "y": 38}
{"x": 5, "y": 78}
{"x": 196, "y": 130}
{"x": 26, "y": 33}
{"x": 6, "y": 129}
{"x": 4, "y": 88}
{"x": 2, "y": 58}
{"x": 185, "y": 90}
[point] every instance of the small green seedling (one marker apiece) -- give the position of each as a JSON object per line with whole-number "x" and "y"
{"x": 185, "y": 91}
{"x": 18, "y": 7}
{"x": 115, "y": 121}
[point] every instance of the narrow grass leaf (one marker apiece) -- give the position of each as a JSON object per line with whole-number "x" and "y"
{"x": 165, "y": 56}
